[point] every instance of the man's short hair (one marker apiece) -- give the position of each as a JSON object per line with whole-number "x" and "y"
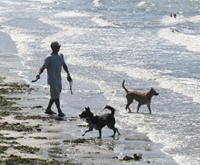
{"x": 55, "y": 44}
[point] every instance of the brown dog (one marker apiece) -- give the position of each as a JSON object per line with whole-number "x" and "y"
{"x": 141, "y": 98}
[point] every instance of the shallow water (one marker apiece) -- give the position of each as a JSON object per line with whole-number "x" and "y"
{"x": 105, "y": 42}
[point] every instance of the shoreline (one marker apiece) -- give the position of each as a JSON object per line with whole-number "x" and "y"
{"x": 31, "y": 136}
{"x": 40, "y": 137}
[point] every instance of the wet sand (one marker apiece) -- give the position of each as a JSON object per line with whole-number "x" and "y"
{"x": 61, "y": 139}
{"x": 28, "y": 135}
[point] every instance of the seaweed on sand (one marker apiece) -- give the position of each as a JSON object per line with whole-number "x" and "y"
{"x": 18, "y": 127}
{"x": 16, "y": 160}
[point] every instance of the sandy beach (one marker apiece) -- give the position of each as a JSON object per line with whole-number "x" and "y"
{"x": 29, "y": 136}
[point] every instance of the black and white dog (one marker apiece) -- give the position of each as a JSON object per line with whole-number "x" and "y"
{"x": 98, "y": 122}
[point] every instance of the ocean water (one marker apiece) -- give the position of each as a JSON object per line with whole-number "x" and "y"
{"x": 107, "y": 41}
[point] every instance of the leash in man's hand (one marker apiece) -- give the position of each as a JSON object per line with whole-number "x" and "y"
{"x": 70, "y": 83}
{"x": 68, "y": 78}
{"x": 37, "y": 78}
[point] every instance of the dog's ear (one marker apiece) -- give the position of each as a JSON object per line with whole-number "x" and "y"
{"x": 152, "y": 90}
{"x": 87, "y": 109}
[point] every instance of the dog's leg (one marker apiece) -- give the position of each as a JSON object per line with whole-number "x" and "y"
{"x": 148, "y": 105}
{"x": 114, "y": 130}
{"x": 99, "y": 133}
{"x": 129, "y": 101}
{"x": 127, "y": 106}
{"x": 138, "y": 107}
{"x": 117, "y": 131}
{"x": 90, "y": 129}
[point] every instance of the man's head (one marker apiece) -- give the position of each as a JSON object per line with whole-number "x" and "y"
{"x": 55, "y": 46}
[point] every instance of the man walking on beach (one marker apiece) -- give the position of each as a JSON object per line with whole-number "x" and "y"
{"x": 54, "y": 63}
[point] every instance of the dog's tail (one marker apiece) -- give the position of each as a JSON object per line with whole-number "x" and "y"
{"x": 124, "y": 86}
{"x": 110, "y": 108}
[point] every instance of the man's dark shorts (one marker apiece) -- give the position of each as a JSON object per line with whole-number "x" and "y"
{"x": 55, "y": 91}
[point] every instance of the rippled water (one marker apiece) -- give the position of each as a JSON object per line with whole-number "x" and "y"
{"x": 105, "y": 42}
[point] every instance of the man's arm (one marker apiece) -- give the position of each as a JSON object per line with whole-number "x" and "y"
{"x": 39, "y": 72}
{"x": 67, "y": 71}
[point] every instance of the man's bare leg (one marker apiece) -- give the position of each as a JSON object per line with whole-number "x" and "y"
{"x": 48, "y": 110}
{"x": 60, "y": 113}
